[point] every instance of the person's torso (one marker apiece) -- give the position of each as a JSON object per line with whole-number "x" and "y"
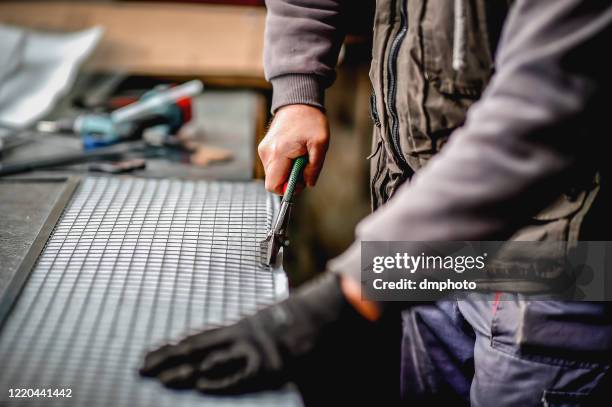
{"x": 431, "y": 61}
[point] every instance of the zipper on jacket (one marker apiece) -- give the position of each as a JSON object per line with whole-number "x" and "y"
{"x": 374, "y": 109}
{"x": 392, "y": 68}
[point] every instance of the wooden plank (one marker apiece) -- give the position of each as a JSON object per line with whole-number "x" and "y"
{"x": 158, "y": 38}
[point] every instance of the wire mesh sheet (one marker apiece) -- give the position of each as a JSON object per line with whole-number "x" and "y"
{"x": 131, "y": 264}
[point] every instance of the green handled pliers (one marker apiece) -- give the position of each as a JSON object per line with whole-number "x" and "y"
{"x": 277, "y": 237}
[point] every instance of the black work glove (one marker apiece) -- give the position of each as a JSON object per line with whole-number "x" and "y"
{"x": 315, "y": 339}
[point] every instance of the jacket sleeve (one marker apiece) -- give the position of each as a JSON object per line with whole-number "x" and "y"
{"x": 302, "y": 42}
{"x": 520, "y": 142}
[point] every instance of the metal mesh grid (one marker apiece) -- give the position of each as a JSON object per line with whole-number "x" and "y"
{"x": 133, "y": 263}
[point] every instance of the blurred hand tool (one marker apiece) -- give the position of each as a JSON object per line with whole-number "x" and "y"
{"x": 170, "y": 107}
{"x": 277, "y": 237}
{"x": 11, "y": 137}
{"x": 116, "y": 152}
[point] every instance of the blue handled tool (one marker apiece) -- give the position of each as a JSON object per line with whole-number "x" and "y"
{"x": 171, "y": 105}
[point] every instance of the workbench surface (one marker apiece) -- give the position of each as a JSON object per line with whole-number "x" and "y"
{"x": 24, "y": 207}
{"x": 226, "y": 119}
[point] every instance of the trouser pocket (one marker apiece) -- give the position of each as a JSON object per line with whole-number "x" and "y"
{"x": 532, "y": 353}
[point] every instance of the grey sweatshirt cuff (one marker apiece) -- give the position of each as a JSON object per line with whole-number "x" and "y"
{"x": 292, "y": 89}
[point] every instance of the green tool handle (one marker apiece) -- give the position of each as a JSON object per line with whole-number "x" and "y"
{"x": 294, "y": 177}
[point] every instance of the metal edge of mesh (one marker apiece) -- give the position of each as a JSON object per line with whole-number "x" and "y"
{"x": 21, "y": 275}
{"x": 281, "y": 289}
{"x": 281, "y": 282}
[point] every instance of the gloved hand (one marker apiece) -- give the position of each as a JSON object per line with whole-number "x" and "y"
{"x": 315, "y": 339}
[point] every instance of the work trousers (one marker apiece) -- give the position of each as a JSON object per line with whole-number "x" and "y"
{"x": 503, "y": 350}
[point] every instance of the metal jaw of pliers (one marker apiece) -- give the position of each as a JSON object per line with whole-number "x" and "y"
{"x": 277, "y": 237}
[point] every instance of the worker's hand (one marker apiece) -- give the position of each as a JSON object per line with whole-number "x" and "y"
{"x": 314, "y": 339}
{"x": 296, "y": 130}
{"x": 219, "y": 361}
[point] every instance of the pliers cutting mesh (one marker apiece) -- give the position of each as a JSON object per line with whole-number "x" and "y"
{"x": 277, "y": 237}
